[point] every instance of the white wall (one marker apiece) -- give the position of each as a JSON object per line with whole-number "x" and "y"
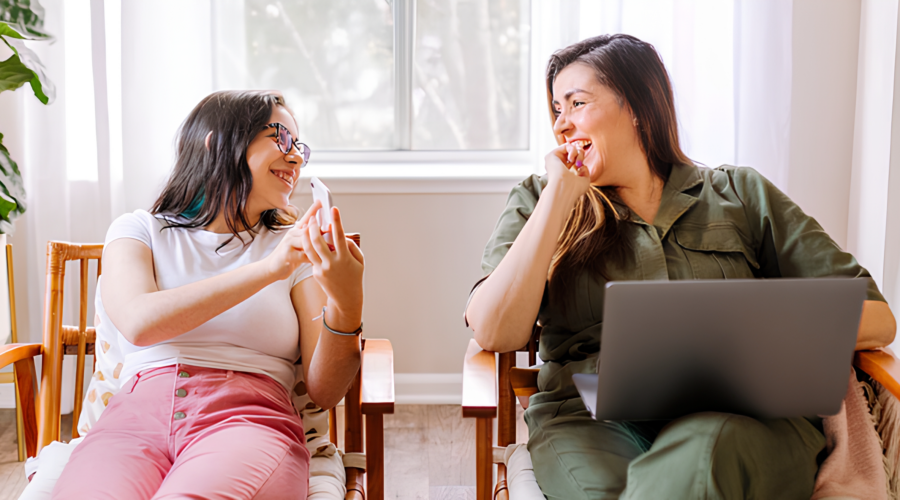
{"x": 423, "y": 254}
{"x": 823, "y": 104}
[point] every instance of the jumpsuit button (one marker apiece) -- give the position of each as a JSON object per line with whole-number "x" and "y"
{"x": 181, "y": 393}
{"x": 183, "y": 375}
{"x": 179, "y": 415}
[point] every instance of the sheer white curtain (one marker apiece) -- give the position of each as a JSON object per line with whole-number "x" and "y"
{"x": 874, "y": 215}
{"x": 70, "y": 167}
{"x": 73, "y": 154}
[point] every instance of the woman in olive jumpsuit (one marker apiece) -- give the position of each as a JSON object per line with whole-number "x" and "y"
{"x": 663, "y": 218}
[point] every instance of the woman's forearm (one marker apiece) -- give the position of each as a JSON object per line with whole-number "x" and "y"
{"x": 877, "y": 327}
{"x": 157, "y": 316}
{"x": 335, "y": 363}
{"x": 330, "y": 361}
{"x": 503, "y": 309}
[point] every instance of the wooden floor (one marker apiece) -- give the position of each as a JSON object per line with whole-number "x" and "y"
{"x": 429, "y": 453}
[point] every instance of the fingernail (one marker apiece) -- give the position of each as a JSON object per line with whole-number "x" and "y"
{"x": 578, "y": 163}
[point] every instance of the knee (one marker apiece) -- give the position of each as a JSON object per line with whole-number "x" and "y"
{"x": 724, "y": 433}
{"x": 735, "y": 433}
{"x": 721, "y": 440}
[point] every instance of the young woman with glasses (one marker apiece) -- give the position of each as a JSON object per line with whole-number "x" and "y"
{"x": 209, "y": 299}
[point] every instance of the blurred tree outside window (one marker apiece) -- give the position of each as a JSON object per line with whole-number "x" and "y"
{"x": 457, "y": 80}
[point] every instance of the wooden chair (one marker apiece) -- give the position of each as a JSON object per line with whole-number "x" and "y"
{"x": 10, "y": 377}
{"x": 491, "y": 385}
{"x": 371, "y": 394}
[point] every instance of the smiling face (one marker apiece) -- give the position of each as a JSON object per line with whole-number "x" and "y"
{"x": 274, "y": 173}
{"x": 589, "y": 111}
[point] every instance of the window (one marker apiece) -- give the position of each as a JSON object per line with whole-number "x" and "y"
{"x": 382, "y": 75}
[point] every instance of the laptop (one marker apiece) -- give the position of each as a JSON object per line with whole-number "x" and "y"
{"x": 766, "y": 348}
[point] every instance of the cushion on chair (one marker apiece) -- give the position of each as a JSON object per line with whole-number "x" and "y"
{"x": 105, "y": 382}
{"x": 315, "y": 419}
{"x": 327, "y": 477}
{"x": 520, "y": 474}
{"x": 51, "y": 460}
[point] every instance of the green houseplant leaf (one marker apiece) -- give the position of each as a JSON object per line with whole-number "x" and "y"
{"x": 14, "y": 74}
{"x": 43, "y": 88}
{"x": 18, "y": 30}
{"x": 20, "y": 20}
{"x": 26, "y": 15}
{"x": 12, "y": 191}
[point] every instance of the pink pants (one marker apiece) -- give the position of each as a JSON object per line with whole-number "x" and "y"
{"x": 192, "y": 432}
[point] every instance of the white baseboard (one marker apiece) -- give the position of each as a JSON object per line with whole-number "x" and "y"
{"x": 428, "y": 388}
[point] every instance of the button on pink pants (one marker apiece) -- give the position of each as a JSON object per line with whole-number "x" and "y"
{"x": 192, "y": 432}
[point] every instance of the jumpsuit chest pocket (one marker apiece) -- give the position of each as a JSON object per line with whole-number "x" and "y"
{"x": 716, "y": 252}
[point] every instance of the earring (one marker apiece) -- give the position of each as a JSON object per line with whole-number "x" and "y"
{"x": 635, "y": 122}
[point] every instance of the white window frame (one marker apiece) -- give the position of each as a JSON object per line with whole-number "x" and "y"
{"x": 405, "y": 171}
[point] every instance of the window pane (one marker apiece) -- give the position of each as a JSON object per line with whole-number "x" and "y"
{"x": 333, "y": 61}
{"x": 470, "y": 75}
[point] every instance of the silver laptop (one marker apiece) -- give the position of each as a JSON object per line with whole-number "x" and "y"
{"x": 765, "y": 348}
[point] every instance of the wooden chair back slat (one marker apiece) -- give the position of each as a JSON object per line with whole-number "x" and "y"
{"x": 332, "y": 426}
{"x": 14, "y": 338}
{"x": 59, "y": 340}
{"x": 14, "y": 332}
{"x": 506, "y": 408}
{"x": 353, "y": 419}
{"x": 82, "y": 344}
{"x": 70, "y": 336}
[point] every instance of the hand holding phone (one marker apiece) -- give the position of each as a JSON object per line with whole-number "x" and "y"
{"x": 321, "y": 193}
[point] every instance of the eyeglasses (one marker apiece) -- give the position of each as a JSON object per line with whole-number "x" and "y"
{"x": 286, "y": 142}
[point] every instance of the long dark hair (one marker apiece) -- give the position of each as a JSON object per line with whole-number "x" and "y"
{"x": 633, "y": 70}
{"x": 205, "y": 182}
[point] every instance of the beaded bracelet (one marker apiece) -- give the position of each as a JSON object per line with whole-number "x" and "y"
{"x": 351, "y": 334}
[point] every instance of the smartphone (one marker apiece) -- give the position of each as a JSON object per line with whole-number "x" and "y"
{"x": 321, "y": 193}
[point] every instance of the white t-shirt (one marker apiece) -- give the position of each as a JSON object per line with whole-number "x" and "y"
{"x": 259, "y": 335}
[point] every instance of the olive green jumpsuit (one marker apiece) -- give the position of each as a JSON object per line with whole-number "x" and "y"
{"x": 724, "y": 223}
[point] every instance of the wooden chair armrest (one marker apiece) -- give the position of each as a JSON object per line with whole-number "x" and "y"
{"x": 26, "y": 384}
{"x": 377, "y": 398}
{"x": 377, "y": 377}
{"x": 479, "y": 393}
{"x": 10, "y": 353}
{"x": 882, "y": 365}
